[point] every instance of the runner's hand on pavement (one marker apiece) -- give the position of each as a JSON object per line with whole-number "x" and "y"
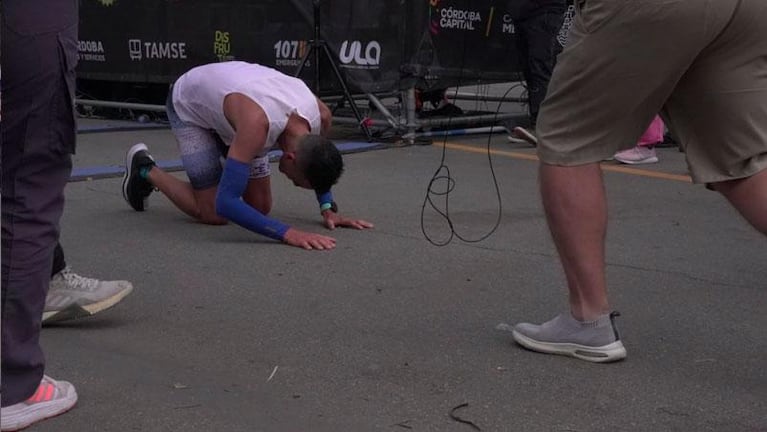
{"x": 333, "y": 220}
{"x": 308, "y": 241}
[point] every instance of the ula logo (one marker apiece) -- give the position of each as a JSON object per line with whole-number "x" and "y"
{"x": 366, "y": 58}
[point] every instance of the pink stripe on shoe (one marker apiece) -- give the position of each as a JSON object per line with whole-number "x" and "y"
{"x": 36, "y": 396}
{"x": 44, "y": 393}
{"x": 49, "y": 390}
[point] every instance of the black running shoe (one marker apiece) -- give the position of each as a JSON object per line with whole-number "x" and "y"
{"x": 136, "y": 189}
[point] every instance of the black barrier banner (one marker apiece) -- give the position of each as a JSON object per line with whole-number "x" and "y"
{"x": 457, "y": 42}
{"x": 379, "y": 45}
{"x": 156, "y": 41}
{"x": 368, "y": 38}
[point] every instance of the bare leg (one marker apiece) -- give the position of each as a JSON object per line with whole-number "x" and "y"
{"x": 749, "y": 196}
{"x": 197, "y": 204}
{"x": 576, "y": 211}
{"x": 258, "y": 194}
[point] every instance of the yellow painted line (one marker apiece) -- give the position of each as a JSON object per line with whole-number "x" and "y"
{"x": 605, "y": 167}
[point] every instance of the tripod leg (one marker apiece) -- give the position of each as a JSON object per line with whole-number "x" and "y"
{"x": 312, "y": 50}
{"x": 347, "y": 94}
{"x": 408, "y": 97}
{"x": 303, "y": 63}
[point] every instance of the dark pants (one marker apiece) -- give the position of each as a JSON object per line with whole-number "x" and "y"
{"x": 59, "y": 263}
{"x": 538, "y": 50}
{"x": 39, "y": 55}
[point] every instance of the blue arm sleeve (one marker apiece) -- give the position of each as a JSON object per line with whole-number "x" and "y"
{"x": 324, "y": 198}
{"x": 230, "y": 205}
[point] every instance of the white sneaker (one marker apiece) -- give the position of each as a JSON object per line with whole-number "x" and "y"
{"x": 637, "y": 156}
{"x": 50, "y": 399}
{"x": 73, "y": 296}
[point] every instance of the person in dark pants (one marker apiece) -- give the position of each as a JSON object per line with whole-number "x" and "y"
{"x": 39, "y": 56}
{"x": 537, "y": 23}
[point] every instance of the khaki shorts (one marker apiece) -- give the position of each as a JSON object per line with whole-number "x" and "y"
{"x": 702, "y": 64}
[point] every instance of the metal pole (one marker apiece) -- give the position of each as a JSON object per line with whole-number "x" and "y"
{"x": 455, "y": 132}
{"x": 380, "y": 106}
{"x": 316, "y": 46}
{"x": 459, "y": 120}
{"x": 484, "y": 98}
{"x": 408, "y": 96}
{"x": 122, "y": 105}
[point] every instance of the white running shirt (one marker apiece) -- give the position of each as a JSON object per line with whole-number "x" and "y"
{"x": 198, "y": 97}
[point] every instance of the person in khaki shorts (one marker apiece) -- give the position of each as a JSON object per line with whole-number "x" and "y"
{"x": 699, "y": 62}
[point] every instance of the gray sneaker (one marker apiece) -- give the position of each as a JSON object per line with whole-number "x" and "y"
{"x": 595, "y": 341}
{"x": 73, "y": 296}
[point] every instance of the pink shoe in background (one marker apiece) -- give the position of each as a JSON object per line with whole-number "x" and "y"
{"x": 637, "y": 156}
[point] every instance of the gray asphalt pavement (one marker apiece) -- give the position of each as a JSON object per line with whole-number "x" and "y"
{"x": 228, "y": 331}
